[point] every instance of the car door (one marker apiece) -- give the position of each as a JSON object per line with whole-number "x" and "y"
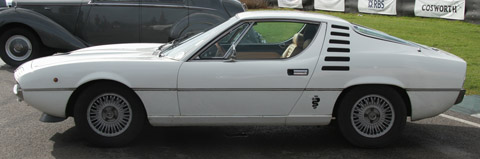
{"x": 159, "y": 17}
{"x": 112, "y": 21}
{"x": 252, "y": 82}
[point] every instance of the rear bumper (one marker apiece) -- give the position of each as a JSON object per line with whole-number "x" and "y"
{"x": 460, "y": 96}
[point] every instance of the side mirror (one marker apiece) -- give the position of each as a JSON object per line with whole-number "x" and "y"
{"x": 233, "y": 55}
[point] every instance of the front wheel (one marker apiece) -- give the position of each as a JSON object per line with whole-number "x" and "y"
{"x": 109, "y": 115}
{"x": 19, "y": 45}
{"x": 371, "y": 116}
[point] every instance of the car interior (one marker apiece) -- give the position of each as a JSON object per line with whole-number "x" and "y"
{"x": 255, "y": 44}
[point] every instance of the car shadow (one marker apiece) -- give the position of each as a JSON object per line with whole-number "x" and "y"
{"x": 269, "y": 142}
{"x": 7, "y": 68}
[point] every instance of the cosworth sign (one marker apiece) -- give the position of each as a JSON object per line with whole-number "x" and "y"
{"x": 449, "y": 9}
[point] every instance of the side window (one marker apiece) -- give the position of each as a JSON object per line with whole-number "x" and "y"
{"x": 276, "y": 40}
{"x": 219, "y": 49}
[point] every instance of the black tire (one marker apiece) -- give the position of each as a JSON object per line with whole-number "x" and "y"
{"x": 29, "y": 46}
{"x": 90, "y": 114}
{"x": 351, "y": 121}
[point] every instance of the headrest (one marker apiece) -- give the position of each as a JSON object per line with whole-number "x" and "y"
{"x": 298, "y": 39}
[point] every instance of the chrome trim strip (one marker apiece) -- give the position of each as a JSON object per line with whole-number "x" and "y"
{"x": 49, "y": 89}
{"x": 432, "y": 89}
{"x": 154, "y": 89}
{"x": 239, "y": 89}
{"x": 324, "y": 89}
{"x": 236, "y": 89}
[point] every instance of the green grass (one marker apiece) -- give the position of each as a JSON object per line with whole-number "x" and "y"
{"x": 276, "y": 32}
{"x": 457, "y": 37}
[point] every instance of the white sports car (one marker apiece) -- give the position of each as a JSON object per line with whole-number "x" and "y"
{"x": 258, "y": 68}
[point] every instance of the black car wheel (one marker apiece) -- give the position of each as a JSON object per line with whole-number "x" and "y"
{"x": 109, "y": 115}
{"x": 371, "y": 116}
{"x": 19, "y": 45}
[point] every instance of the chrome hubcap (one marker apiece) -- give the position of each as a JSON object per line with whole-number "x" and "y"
{"x": 18, "y": 48}
{"x": 372, "y": 116}
{"x": 109, "y": 115}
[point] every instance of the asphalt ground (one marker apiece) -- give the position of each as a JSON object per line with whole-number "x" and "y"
{"x": 22, "y": 135}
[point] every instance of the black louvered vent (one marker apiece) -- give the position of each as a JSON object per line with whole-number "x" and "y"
{"x": 339, "y": 34}
{"x": 339, "y": 44}
{"x": 335, "y": 68}
{"x": 339, "y": 50}
{"x": 334, "y": 41}
{"x": 340, "y": 27}
{"x": 337, "y": 58}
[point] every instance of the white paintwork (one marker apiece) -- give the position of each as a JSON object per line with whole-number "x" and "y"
{"x": 177, "y": 91}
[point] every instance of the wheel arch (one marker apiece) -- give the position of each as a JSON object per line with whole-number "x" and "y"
{"x": 49, "y": 32}
{"x": 69, "y": 111}
{"x": 400, "y": 90}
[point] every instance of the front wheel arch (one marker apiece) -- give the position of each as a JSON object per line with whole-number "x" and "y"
{"x": 69, "y": 111}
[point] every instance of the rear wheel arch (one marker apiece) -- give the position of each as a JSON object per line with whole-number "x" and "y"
{"x": 401, "y": 91}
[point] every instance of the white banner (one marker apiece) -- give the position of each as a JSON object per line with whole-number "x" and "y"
{"x": 448, "y": 9}
{"x": 388, "y": 7}
{"x": 330, "y": 5}
{"x": 290, "y": 3}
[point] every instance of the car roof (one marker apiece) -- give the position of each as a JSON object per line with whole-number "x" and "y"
{"x": 296, "y": 15}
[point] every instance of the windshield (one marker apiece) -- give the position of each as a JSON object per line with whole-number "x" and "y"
{"x": 180, "y": 47}
{"x": 383, "y": 36}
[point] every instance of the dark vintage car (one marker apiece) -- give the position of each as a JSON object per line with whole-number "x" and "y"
{"x": 34, "y": 28}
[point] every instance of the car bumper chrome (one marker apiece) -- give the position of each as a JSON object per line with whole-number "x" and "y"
{"x": 460, "y": 96}
{"x": 17, "y": 90}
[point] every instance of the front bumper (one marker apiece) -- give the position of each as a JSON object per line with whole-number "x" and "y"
{"x": 17, "y": 90}
{"x": 460, "y": 96}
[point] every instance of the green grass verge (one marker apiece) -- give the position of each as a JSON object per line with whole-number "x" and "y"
{"x": 457, "y": 37}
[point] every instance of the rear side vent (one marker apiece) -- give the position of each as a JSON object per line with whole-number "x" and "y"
{"x": 335, "y": 68}
{"x": 342, "y": 50}
{"x": 337, "y": 59}
{"x": 333, "y": 41}
{"x": 339, "y": 34}
{"x": 340, "y": 27}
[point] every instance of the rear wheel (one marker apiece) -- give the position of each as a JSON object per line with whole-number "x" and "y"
{"x": 109, "y": 115}
{"x": 19, "y": 45}
{"x": 371, "y": 116}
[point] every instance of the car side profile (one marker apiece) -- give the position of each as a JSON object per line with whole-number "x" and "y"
{"x": 33, "y": 28}
{"x": 306, "y": 69}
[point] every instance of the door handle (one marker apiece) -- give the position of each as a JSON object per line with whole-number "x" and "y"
{"x": 297, "y": 72}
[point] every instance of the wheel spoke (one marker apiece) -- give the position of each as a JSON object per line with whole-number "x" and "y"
{"x": 109, "y": 114}
{"x": 372, "y": 116}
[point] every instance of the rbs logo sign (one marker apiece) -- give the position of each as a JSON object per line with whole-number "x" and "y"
{"x": 376, "y": 4}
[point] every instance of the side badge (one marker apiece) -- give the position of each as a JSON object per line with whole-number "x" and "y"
{"x": 315, "y": 101}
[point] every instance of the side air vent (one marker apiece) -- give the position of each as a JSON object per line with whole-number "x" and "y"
{"x": 334, "y": 41}
{"x": 340, "y": 27}
{"x": 335, "y": 68}
{"x": 342, "y": 50}
{"x": 337, "y": 58}
{"x": 339, "y": 34}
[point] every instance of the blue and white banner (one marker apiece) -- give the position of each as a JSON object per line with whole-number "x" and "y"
{"x": 330, "y": 5}
{"x": 388, "y": 7}
{"x": 290, "y": 3}
{"x": 448, "y": 9}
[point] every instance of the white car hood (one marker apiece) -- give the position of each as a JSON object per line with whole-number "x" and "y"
{"x": 133, "y": 51}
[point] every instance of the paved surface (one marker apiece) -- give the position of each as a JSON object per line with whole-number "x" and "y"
{"x": 23, "y": 136}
